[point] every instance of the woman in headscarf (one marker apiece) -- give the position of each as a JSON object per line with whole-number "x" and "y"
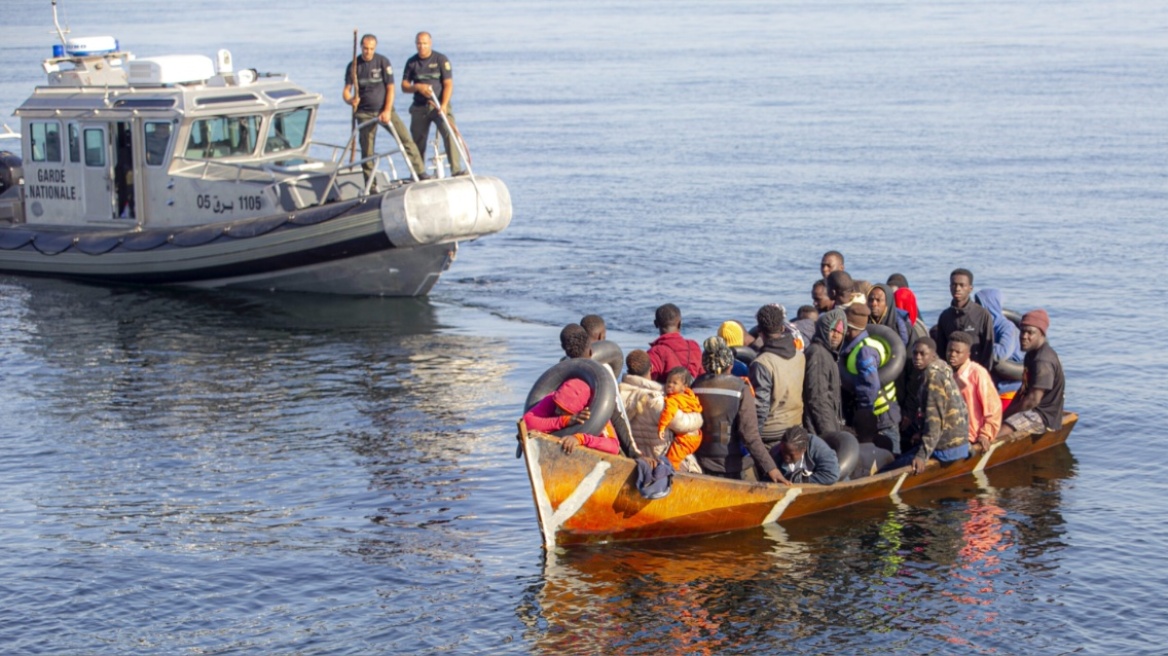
{"x": 729, "y": 422}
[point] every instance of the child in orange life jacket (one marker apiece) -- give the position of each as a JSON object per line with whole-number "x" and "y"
{"x": 682, "y": 415}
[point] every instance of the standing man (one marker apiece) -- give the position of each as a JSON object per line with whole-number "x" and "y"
{"x": 968, "y": 317}
{"x": 373, "y": 97}
{"x": 429, "y": 78}
{"x": 1038, "y": 406}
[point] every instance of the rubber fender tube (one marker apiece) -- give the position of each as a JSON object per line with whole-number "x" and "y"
{"x": 1008, "y": 369}
{"x": 872, "y": 459}
{"x": 890, "y": 370}
{"x": 744, "y": 354}
{"x": 847, "y": 451}
{"x": 607, "y": 352}
{"x": 591, "y": 372}
{"x": 1014, "y": 316}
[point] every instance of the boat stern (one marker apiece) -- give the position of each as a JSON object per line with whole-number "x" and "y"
{"x": 445, "y": 210}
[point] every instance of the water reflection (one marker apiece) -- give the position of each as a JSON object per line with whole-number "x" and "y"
{"x": 944, "y": 564}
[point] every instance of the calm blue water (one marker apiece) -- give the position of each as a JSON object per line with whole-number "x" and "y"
{"x": 221, "y": 473}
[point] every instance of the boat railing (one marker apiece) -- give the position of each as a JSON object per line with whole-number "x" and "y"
{"x": 9, "y": 133}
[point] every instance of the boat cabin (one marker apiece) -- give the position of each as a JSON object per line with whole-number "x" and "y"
{"x": 171, "y": 141}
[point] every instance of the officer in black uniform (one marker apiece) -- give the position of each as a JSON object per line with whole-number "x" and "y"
{"x": 375, "y": 99}
{"x": 428, "y": 76}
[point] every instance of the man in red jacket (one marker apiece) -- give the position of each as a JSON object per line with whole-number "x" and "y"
{"x": 671, "y": 349}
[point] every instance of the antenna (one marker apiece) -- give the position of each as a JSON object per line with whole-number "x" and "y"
{"x": 56, "y": 23}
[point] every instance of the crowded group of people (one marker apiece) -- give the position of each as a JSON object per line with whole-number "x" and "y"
{"x": 776, "y": 402}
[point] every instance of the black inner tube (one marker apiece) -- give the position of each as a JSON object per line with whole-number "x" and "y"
{"x": 598, "y": 378}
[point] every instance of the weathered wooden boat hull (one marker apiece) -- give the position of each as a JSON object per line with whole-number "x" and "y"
{"x": 588, "y": 496}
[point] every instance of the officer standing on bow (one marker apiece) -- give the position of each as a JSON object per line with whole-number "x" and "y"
{"x": 428, "y": 76}
{"x": 373, "y": 98}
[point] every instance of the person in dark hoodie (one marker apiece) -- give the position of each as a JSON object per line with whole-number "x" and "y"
{"x": 822, "y": 412}
{"x": 671, "y": 349}
{"x": 875, "y": 412}
{"x": 1006, "y": 344}
{"x": 970, "y": 317}
{"x": 729, "y": 421}
{"x": 882, "y": 305}
{"x": 777, "y": 376}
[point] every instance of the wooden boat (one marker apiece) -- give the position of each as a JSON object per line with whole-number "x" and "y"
{"x": 591, "y": 497}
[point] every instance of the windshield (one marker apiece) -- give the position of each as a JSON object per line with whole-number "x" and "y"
{"x": 288, "y": 130}
{"x": 223, "y": 136}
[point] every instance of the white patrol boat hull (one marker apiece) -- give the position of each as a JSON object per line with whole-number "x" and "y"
{"x": 392, "y": 244}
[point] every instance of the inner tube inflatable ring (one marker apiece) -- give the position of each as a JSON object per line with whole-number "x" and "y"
{"x": 1009, "y": 369}
{"x": 607, "y": 352}
{"x": 890, "y": 370}
{"x": 598, "y": 378}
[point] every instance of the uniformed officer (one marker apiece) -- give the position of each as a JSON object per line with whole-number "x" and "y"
{"x": 428, "y": 77}
{"x": 375, "y": 99}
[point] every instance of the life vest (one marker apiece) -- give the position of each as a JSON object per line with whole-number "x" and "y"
{"x": 887, "y": 394}
{"x": 721, "y": 398}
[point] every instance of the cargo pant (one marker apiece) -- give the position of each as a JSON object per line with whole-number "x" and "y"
{"x": 368, "y": 139}
{"x": 421, "y": 117}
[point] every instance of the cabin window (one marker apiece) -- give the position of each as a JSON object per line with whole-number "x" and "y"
{"x": 223, "y": 136}
{"x": 157, "y": 142}
{"x": 45, "y": 139}
{"x": 94, "y": 147}
{"x": 74, "y": 143}
{"x": 288, "y": 130}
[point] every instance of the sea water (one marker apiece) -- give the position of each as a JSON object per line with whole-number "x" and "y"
{"x": 210, "y": 472}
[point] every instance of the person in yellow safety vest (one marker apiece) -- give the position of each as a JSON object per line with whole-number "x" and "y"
{"x": 875, "y": 412}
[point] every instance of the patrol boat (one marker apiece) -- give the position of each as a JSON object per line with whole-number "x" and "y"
{"x": 182, "y": 170}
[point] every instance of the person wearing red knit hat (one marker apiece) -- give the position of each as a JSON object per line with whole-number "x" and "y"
{"x": 1038, "y": 406}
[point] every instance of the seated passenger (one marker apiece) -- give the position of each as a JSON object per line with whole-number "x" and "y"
{"x": 804, "y": 458}
{"x": 805, "y": 322}
{"x": 822, "y": 405}
{"x": 734, "y": 334}
{"x": 671, "y": 349}
{"x": 729, "y": 423}
{"x": 1006, "y": 344}
{"x": 682, "y": 417}
{"x": 777, "y": 376}
{"x": 842, "y": 289}
{"x": 568, "y": 406}
{"x": 943, "y": 421}
{"x": 1038, "y": 406}
{"x": 884, "y": 312}
{"x": 819, "y": 297}
{"x": 594, "y": 325}
{"x": 977, "y": 388}
{"x": 644, "y": 399}
{"x": 575, "y": 341}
